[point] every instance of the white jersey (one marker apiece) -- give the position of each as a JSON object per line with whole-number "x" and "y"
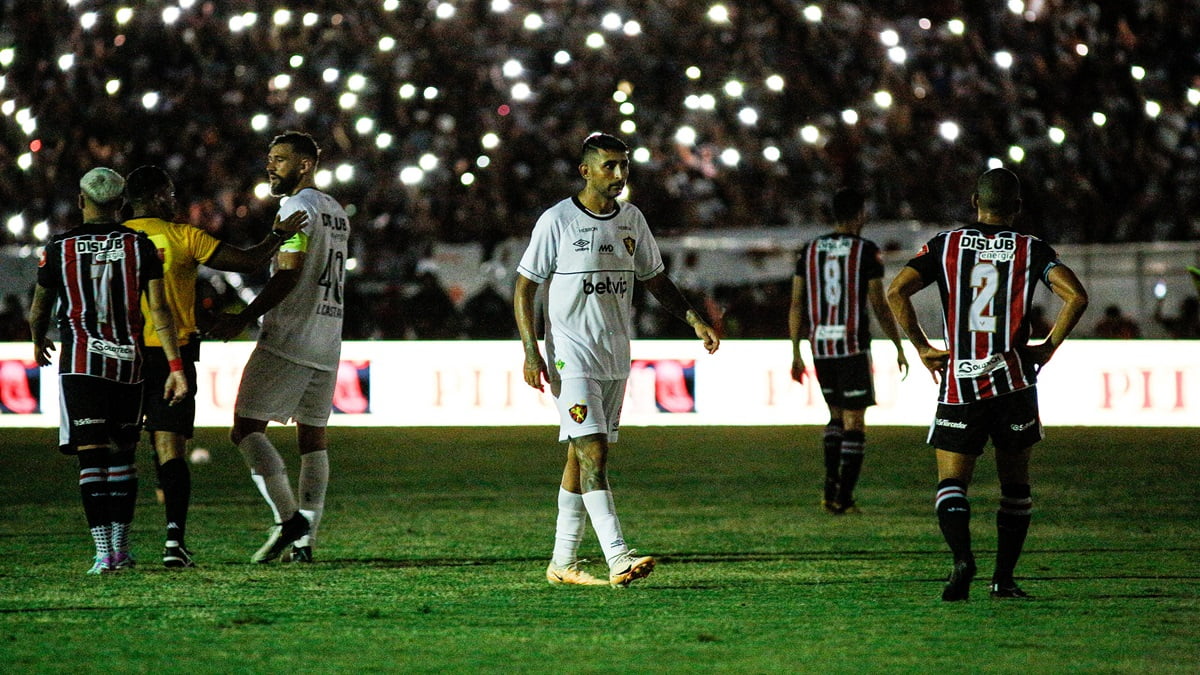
{"x": 306, "y": 327}
{"x": 594, "y": 261}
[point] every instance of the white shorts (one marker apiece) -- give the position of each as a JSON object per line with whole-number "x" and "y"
{"x": 588, "y": 407}
{"x": 279, "y": 390}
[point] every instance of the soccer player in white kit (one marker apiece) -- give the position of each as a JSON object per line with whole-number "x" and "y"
{"x": 293, "y": 370}
{"x": 594, "y": 248}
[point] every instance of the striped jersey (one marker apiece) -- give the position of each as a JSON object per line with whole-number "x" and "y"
{"x": 594, "y": 260}
{"x": 306, "y": 326}
{"x": 183, "y": 249}
{"x": 987, "y": 276}
{"x": 98, "y": 273}
{"x": 837, "y": 269}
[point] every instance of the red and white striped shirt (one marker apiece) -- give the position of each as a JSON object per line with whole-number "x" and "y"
{"x": 99, "y": 272}
{"x": 987, "y": 276}
{"x": 837, "y": 269}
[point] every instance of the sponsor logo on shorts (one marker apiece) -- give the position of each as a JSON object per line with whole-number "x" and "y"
{"x": 329, "y": 310}
{"x": 84, "y": 421}
{"x": 950, "y": 423}
{"x": 856, "y": 392}
{"x": 979, "y": 367}
{"x": 578, "y": 412}
{"x": 111, "y": 350}
{"x": 1022, "y": 427}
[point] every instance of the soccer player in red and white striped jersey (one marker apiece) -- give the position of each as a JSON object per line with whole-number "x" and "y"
{"x": 987, "y": 274}
{"x": 98, "y": 273}
{"x": 838, "y": 276}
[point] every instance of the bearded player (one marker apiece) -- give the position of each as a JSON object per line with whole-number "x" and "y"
{"x": 293, "y": 370}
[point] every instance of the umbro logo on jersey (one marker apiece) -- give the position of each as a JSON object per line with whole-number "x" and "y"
{"x": 582, "y": 245}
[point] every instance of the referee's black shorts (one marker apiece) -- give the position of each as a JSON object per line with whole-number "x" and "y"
{"x": 158, "y": 415}
{"x": 1011, "y": 421}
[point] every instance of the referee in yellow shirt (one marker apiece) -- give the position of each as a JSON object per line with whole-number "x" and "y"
{"x": 183, "y": 248}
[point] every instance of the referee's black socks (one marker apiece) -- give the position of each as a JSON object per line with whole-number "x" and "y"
{"x": 175, "y": 479}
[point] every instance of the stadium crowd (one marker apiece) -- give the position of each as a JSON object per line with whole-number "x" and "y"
{"x": 460, "y": 121}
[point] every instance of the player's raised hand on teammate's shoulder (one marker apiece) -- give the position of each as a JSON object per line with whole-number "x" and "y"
{"x": 293, "y": 223}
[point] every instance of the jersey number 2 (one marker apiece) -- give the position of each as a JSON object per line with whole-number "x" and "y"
{"x": 985, "y": 279}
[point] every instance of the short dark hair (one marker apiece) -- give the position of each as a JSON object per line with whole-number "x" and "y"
{"x": 145, "y": 182}
{"x": 601, "y": 141}
{"x": 999, "y": 191}
{"x": 300, "y": 142}
{"x": 847, "y": 203}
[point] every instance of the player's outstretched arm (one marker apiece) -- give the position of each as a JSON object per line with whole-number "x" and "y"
{"x": 287, "y": 274}
{"x": 797, "y": 326}
{"x": 899, "y": 299}
{"x": 535, "y": 370}
{"x": 229, "y": 258}
{"x": 667, "y": 293}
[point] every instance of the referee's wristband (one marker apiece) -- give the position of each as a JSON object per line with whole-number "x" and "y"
{"x": 176, "y": 365}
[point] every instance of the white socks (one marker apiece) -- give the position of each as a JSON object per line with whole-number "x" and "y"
{"x": 265, "y": 463}
{"x": 314, "y": 480}
{"x": 572, "y": 521}
{"x": 600, "y": 509}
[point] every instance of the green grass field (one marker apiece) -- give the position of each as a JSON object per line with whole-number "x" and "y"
{"x": 435, "y": 541}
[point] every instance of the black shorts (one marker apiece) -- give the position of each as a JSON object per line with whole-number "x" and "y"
{"x": 158, "y": 414}
{"x": 96, "y": 411}
{"x": 846, "y": 381}
{"x": 1011, "y": 421}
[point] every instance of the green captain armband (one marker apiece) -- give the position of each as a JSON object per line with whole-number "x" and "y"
{"x": 297, "y": 243}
